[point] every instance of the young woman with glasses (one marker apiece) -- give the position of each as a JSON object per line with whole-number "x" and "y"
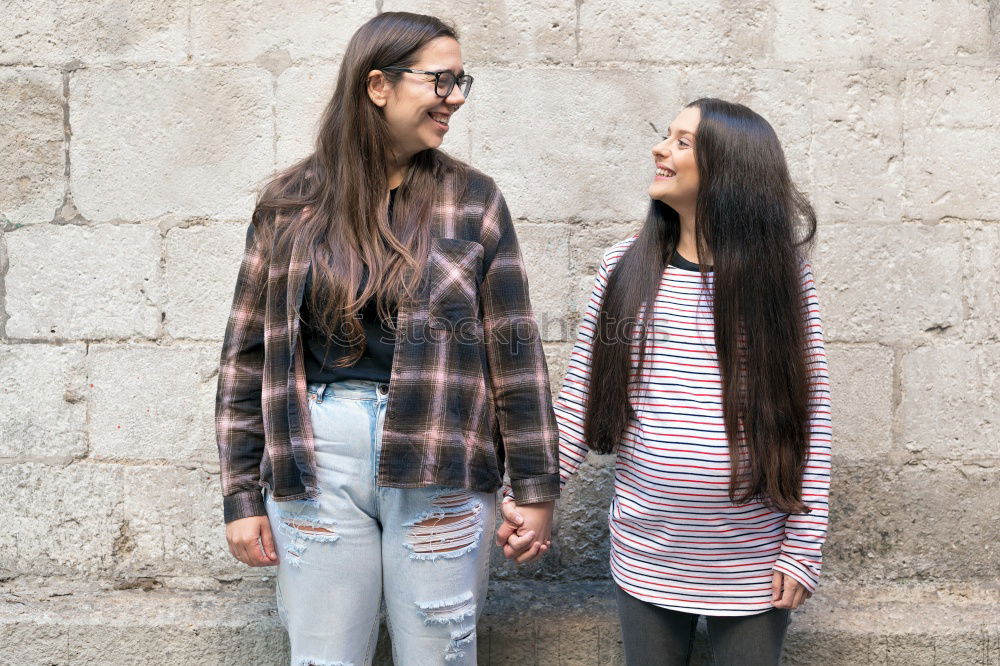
{"x": 380, "y": 366}
{"x": 705, "y": 331}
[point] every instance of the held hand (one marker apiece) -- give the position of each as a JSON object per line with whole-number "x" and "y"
{"x": 512, "y": 520}
{"x": 786, "y": 592}
{"x": 525, "y": 533}
{"x": 251, "y": 542}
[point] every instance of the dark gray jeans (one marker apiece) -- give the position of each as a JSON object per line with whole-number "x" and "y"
{"x": 655, "y": 636}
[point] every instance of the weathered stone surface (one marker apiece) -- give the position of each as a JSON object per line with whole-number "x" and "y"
{"x": 150, "y": 402}
{"x": 516, "y": 31}
{"x": 59, "y": 520}
{"x": 582, "y": 539}
{"x": 83, "y": 282}
{"x": 857, "y": 148}
{"x": 535, "y": 624}
{"x": 688, "y": 31}
{"x": 593, "y": 160}
{"x": 950, "y": 402}
{"x": 41, "y": 401}
{"x": 839, "y": 30}
{"x": 889, "y": 284}
{"x": 920, "y": 522}
{"x": 982, "y": 282}
{"x": 173, "y": 518}
{"x": 957, "y": 105}
{"x": 201, "y": 266}
{"x": 56, "y": 32}
{"x": 790, "y": 112}
{"x": 557, "y": 358}
{"x": 545, "y": 248}
{"x": 588, "y": 244}
{"x": 241, "y": 30}
{"x": 957, "y": 182}
{"x": 196, "y": 141}
{"x": 952, "y": 97}
{"x": 861, "y": 389}
{"x": 136, "y": 626}
{"x": 32, "y": 173}
{"x": 301, "y": 95}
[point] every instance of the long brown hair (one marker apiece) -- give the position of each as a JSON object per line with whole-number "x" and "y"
{"x": 755, "y": 224}
{"x": 335, "y": 200}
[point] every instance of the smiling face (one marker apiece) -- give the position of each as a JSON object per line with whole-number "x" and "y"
{"x": 417, "y": 117}
{"x": 675, "y": 181}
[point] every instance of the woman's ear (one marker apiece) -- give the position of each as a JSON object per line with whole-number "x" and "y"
{"x": 378, "y": 88}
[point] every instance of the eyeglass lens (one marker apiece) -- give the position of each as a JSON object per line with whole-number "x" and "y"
{"x": 446, "y": 83}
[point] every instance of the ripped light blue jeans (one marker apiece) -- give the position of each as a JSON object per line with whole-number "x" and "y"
{"x": 424, "y": 551}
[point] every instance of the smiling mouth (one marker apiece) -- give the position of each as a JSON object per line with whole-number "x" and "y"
{"x": 664, "y": 172}
{"x": 439, "y": 118}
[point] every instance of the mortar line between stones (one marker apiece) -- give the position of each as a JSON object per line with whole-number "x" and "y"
{"x": 189, "y": 38}
{"x": 895, "y": 428}
{"x": 576, "y": 29}
{"x": 4, "y": 266}
{"x": 86, "y": 401}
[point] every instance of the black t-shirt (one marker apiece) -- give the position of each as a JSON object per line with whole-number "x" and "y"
{"x": 322, "y": 352}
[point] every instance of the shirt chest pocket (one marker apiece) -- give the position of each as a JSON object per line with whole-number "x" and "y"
{"x": 454, "y": 272}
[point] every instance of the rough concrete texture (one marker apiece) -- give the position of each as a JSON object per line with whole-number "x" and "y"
{"x": 948, "y": 407}
{"x": 858, "y": 138}
{"x": 55, "y": 32}
{"x": 135, "y": 136}
{"x": 861, "y": 383}
{"x": 895, "y": 284}
{"x": 75, "y": 282}
{"x": 152, "y": 402}
{"x": 238, "y": 31}
{"x": 32, "y": 174}
{"x": 42, "y": 409}
{"x": 846, "y": 626}
{"x": 887, "y": 32}
{"x": 515, "y": 31}
{"x": 597, "y": 139}
{"x": 201, "y": 263}
{"x": 187, "y": 141}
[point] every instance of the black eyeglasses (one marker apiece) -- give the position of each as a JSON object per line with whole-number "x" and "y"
{"x": 444, "y": 81}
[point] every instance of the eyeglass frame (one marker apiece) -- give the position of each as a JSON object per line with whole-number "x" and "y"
{"x": 437, "y": 79}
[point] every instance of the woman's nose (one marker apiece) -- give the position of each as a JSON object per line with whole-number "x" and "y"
{"x": 456, "y": 97}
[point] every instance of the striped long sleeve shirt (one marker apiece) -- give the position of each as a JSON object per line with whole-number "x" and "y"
{"x": 677, "y": 540}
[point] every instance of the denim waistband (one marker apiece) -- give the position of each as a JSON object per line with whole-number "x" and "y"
{"x": 353, "y": 389}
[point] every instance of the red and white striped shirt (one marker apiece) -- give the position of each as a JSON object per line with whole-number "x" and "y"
{"x": 677, "y": 540}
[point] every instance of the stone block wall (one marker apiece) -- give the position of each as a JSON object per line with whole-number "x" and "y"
{"x": 134, "y": 136}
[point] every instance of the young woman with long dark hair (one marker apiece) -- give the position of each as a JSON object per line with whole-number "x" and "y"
{"x": 380, "y": 366}
{"x": 705, "y": 332}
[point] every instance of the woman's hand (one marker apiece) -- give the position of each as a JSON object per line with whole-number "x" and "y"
{"x": 786, "y": 592}
{"x": 526, "y": 531}
{"x": 251, "y": 542}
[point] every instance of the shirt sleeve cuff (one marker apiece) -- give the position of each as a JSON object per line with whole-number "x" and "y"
{"x": 243, "y": 504}
{"x": 536, "y": 489}
{"x": 798, "y": 570}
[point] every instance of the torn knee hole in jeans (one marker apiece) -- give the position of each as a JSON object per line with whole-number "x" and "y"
{"x": 450, "y": 529}
{"x": 460, "y": 639}
{"x": 459, "y": 611}
{"x": 455, "y": 609}
{"x": 299, "y": 532}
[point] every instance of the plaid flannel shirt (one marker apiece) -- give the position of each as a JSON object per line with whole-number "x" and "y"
{"x": 469, "y": 387}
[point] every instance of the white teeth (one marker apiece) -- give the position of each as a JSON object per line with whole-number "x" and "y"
{"x": 441, "y": 119}
{"x": 667, "y": 173}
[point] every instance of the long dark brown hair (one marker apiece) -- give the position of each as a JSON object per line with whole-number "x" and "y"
{"x": 755, "y": 224}
{"x": 335, "y": 200}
